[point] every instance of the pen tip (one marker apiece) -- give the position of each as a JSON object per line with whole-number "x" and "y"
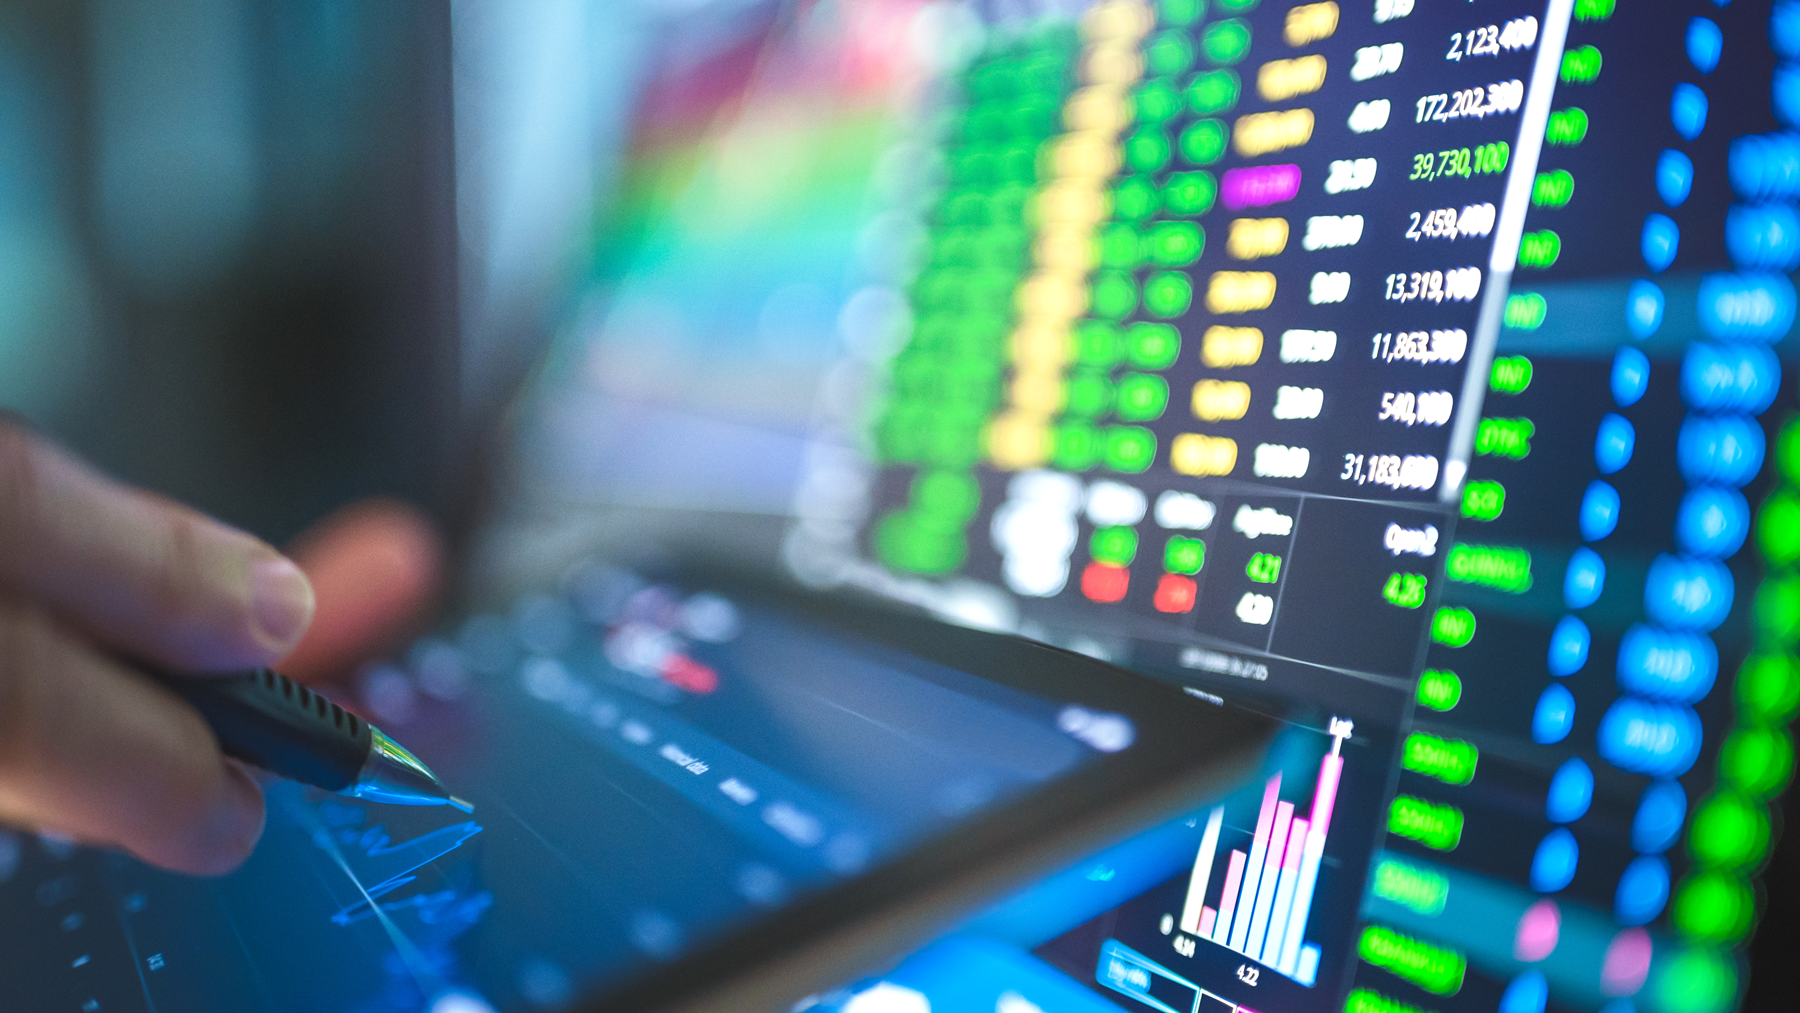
{"x": 468, "y": 807}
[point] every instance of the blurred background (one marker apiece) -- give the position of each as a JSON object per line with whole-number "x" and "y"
{"x": 272, "y": 258}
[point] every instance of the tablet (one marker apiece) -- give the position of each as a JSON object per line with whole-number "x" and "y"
{"x": 684, "y": 800}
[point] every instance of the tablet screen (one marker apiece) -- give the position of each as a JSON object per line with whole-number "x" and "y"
{"x": 651, "y": 768}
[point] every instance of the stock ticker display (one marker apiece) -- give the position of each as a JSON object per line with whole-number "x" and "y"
{"x": 1413, "y": 369}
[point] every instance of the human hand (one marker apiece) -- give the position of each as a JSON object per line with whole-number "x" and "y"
{"x": 91, "y": 572}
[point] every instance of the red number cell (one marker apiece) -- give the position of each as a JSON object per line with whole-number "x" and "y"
{"x": 1175, "y": 593}
{"x": 1105, "y": 582}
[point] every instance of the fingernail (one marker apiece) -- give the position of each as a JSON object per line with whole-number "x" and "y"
{"x": 282, "y": 598}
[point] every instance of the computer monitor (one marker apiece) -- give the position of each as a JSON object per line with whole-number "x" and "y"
{"x": 1415, "y": 366}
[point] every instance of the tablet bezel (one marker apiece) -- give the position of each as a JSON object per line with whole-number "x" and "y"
{"x": 1185, "y": 751}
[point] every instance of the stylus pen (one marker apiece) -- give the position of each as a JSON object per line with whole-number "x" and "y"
{"x": 268, "y": 720}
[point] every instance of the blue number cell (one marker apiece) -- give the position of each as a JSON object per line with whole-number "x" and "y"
{"x": 1553, "y": 866}
{"x": 1569, "y": 644}
{"x": 1726, "y": 449}
{"x": 1630, "y": 376}
{"x": 1687, "y": 110}
{"x": 1688, "y": 593}
{"x": 1599, "y": 511}
{"x": 1659, "y": 242}
{"x": 1554, "y": 715}
{"x": 1584, "y": 579}
{"x": 1674, "y": 177}
{"x": 1784, "y": 29}
{"x": 1614, "y": 443}
{"x": 1660, "y": 812}
{"x": 1725, "y": 378}
{"x": 1528, "y": 993}
{"x": 1571, "y": 791}
{"x": 1667, "y": 665}
{"x": 1704, "y": 44}
{"x": 1746, "y": 307}
{"x": 1643, "y": 308}
{"x": 1643, "y": 890}
{"x": 1784, "y": 94}
{"x": 1763, "y": 237}
{"x": 1765, "y": 166}
{"x": 1645, "y": 737}
{"x": 1712, "y": 521}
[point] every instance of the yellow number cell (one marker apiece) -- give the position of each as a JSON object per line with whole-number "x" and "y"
{"x": 1194, "y": 454}
{"x": 1265, "y": 133}
{"x": 1040, "y": 344}
{"x": 1095, "y": 108}
{"x": 1280, "y": 80}
{"x": 1072, "y": 202}
{"x": 1057, "y": 295}
{"x": 1113, "y": 65}
{"x": 1016, "y": 441}
{"x": 1239, "y": 291}
{"x": 1091, "y": 154}
{"x": 1221, "y": 400}
{"x": 1038, "y": 392}
{"x": 1065, "y": 248}
{"x": 1309, "y": 23}
{"x": 1254, "y": 238}
{"x": 1225, "y": 347}
{"x": 1123, "y": 20}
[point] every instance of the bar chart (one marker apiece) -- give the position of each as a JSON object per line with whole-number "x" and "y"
{"x": 1265, "y": 897}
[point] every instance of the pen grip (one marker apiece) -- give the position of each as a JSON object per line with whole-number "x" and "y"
{"x": 264, "y": 718}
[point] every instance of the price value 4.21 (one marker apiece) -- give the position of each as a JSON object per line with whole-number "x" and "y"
{"x": 1460, "y": 162}
{"x": 1494, "y": 100}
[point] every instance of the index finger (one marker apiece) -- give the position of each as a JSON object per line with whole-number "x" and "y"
{"x": 137, "y": 572}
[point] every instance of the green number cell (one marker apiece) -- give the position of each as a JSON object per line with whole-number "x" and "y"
{"x": 1168, "y": 294}
{"x": 1214, "y": 92}
{"x": 1204, "y": 142}
{"x": 1184, "y": 555}
{"x": 1226, "y": 41}
{"x": 1511, "y": 374}
{"x": 1129, "y": 449}
{"x": 1175, "y": 244}
{"x": 1115, "y": 546}
{"x": 1190, "y": 193}
{"x": 1142, "y": 397}
{"x": 1152, "y": 346}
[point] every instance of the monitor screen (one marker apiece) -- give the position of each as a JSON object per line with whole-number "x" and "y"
{"x": 1421, "y": 360}
{"x": 1419, "y": 364}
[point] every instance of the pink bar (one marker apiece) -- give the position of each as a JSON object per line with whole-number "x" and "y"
{"x": 1290, "y": 859}
{"x": 1234, "y": 877}
{"x": 1284, "y": 818}
{"x": 1266, "y": 815}
{"x": 1259, "y": 185}
{"x": 1207, "y": 917}
{"x": 1325, "y": 796}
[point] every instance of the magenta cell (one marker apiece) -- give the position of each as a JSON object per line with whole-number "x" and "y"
{"x": 1259, "y": 185}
